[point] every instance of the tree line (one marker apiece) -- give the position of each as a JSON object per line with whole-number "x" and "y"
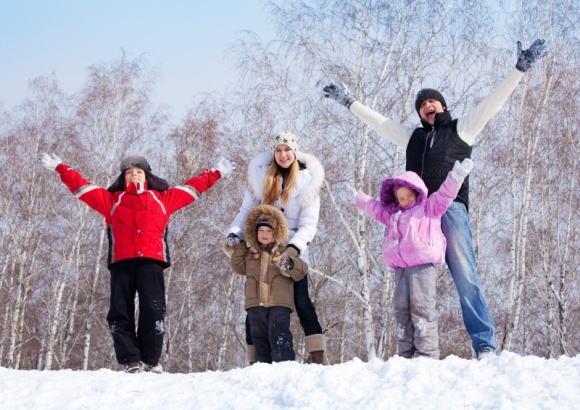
{"x": 524, "y": 196}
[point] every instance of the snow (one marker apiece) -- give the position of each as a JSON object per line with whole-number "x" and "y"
{"x": 508, "y": 381}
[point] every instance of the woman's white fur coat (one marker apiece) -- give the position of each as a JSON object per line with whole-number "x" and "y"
{"x": 301, "y": 211}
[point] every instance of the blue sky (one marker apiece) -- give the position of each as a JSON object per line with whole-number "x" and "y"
{"x": 184, "y": 40}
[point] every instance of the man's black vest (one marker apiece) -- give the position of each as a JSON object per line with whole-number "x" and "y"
{"x": 432, "y": 152}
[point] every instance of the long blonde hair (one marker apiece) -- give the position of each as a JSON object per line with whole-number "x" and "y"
{"x": 272, "y": 183}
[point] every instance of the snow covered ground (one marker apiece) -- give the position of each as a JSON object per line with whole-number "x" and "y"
{"x": 508, "y": 381}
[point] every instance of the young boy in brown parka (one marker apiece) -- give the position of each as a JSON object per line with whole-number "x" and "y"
{"x": 271, "y": 268}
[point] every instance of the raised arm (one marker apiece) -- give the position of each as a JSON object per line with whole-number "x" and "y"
{"x": 439, "y": 201}
{"x": 95, "y": 197}
{"x": 470, "y": 125}
{"x": 373, "y": 208}
{"x": 394, "y": 132}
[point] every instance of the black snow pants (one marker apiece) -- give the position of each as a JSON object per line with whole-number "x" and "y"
{"x": 145, "y": 277}
{"x": 270, "y": 329}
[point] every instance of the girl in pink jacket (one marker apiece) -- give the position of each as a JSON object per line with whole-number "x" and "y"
{"x": 414, "y": 245}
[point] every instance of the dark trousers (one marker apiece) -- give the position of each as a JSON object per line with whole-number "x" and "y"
{"x": 270, "y": 328}
{"x": 304, "y": 310}
{"x": 143, "y": 276}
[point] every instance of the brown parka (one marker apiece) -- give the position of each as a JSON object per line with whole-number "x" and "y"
{"x": 266, "y": 285}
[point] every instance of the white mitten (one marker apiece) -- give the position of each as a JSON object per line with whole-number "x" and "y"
{"x": 352, "y": 194}
{"x": 461, "y": 170}
{"x": 50, "y": 162}
{"x": 225, "y": 166}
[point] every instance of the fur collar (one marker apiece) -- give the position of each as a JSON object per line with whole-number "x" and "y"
{"x": 308, "y": 193}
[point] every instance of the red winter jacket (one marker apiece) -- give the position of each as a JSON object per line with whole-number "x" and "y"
{"x": 137, "y": 218}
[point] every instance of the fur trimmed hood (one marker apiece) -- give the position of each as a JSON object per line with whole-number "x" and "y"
{"x": 309, "y": 192}
{"x": 408, "y": 179}
{"x": 274, "y": 217}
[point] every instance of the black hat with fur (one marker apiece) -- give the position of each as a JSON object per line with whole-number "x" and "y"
{"x": 137, "y": 161}
{"x": 264, "y": 215}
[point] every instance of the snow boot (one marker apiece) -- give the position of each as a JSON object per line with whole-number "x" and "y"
{"x": 132, "y": 367}
{"x": 251, "y": 354}
{"x": 153, "y": 368}
{"x": 316, "y": 357}
{"x": 485, "y": 354}
{"x": 315, "y": 346}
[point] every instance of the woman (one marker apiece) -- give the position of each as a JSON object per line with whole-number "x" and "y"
{"x": 290, "y": 181}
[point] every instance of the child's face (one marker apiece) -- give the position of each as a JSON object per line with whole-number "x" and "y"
{"x": 405, "y": 196}
{"x": 134, "y": 175}
{"x": 265, "y": 235}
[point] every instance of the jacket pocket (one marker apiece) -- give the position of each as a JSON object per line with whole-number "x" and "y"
{"x": 282, "y": 290}
{"x": 251, "y": 288}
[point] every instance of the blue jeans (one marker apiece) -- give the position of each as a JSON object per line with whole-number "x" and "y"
{"x": 460, "y": 258}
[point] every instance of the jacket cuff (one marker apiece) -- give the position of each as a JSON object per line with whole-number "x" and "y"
{"x": 292, "y": 251}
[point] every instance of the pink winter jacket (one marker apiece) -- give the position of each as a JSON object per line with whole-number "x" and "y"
{"x": 414, "y": 235}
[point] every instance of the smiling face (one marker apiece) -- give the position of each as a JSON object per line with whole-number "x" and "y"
{"x": 284, "y": 155}
{"x": 405, "y": 196}
{"x": 265, "y": 235}
{"x": 135, "y": 175}
{"x": 429, "y": 108}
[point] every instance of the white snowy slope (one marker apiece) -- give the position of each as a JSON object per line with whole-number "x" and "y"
{"x": 508, "y": 381}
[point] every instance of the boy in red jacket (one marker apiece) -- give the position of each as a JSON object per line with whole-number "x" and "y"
{"x": 137, "y": 208}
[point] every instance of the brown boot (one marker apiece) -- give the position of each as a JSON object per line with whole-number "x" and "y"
{"x": 133, "y": 367}
{"x": 315, "y": 345}
{"x": 316, "y": 357}
{"x": 250, "y": 354}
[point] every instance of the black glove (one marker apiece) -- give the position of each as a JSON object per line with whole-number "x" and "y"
{"x": 527, "y": 58}
{"x": 340, "y": 93}
{"x": 285, "y": 263}
{"x": 232, "y": 239}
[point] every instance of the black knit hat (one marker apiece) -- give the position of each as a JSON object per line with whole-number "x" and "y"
{"x": 263, "y": 222}
{"x": 427, "y": 93}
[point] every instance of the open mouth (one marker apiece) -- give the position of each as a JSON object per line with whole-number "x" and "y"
{"x": 430, "y": 113}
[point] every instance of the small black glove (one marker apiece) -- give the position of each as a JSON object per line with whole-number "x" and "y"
{"x": 340, "y": 93}
{"x": 527, "y": 58}
{"x": 232, "y": 239}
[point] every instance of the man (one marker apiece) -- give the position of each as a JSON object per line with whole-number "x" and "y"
{"x": 431, "y": 151}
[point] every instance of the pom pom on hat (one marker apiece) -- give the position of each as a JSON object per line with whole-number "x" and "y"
{"x": 287, "y": 138}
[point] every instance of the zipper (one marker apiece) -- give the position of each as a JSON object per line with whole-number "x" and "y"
{"x": 432, "y": 135}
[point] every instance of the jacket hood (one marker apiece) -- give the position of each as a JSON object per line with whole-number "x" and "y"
{"x": 310, "y": 162}
{"x": 274, "y": 217}
{"x": 408, "y": 179}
